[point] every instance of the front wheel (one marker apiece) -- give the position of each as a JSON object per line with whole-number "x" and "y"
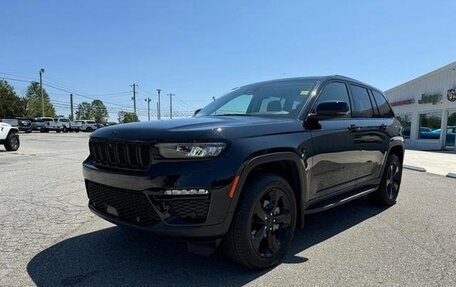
{"x": 89, "y": 129}
{"x": 387, "y": 192}
{"x": 12, "y": 142}
{"x": 264, "y": 223}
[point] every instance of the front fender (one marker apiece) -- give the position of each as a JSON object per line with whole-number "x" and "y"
{"x": 246, "y": 168}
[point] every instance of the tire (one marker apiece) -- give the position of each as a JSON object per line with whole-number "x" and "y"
{"x": 260, "y": 234}
{"x": 65, "y": 130}
{"x": 387, "y": 192}
{"x": 12, "y": 142}
{"x": 89, "y": 129}
{"x": 57, "y": 131}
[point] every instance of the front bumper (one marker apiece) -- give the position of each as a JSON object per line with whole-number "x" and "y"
{"x": 137, "y": 200}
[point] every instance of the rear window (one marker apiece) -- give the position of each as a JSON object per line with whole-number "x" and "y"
{"x": 384, "y": 108}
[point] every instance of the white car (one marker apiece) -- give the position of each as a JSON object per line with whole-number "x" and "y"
{"x": 9, "y": 137}
{"x": 87, "y": 125}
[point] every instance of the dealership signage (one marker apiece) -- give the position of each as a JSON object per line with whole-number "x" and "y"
{"x": 451, "y": 95}
{"x": 402, "y": 102}
{"x": 427, "y": 99}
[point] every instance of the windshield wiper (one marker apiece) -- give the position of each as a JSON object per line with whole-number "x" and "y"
{"x": 244, "y": 115}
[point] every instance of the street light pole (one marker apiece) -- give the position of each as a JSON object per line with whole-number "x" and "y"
{"x": 41, "y": 91}
{"x": 148, "y": 107}
{"x": 158, "y": 111}
{"x": 171, "y": 105}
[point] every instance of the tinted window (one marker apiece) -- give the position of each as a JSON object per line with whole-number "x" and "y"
{"x": 276, "y": 98}
{"x": 334, "y": 92}
{"x": 362, "y": 107}
{"x": 382, "y": 105}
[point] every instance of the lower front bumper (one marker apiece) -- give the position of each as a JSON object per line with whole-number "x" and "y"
{"x": 138, "y": 202}
{"x": 194, "y": 232}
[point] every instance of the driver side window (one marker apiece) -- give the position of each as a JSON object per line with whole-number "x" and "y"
{"x": 335, "y": 91}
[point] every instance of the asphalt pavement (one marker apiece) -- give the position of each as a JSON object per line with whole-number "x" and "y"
{"x": 48, "y": 237}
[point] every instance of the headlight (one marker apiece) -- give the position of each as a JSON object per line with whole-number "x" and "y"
{"x": 190, "y": 150}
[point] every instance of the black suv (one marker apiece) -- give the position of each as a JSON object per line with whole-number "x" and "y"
{"x": 247, "y": 168}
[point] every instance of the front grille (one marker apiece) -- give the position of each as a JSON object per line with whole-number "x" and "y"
{"x": 130, "y": 206}
{"x": 189, "y": 208}
{"x": 123, "y": 155}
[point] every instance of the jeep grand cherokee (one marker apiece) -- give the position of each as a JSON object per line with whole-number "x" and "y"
{"x": 247, "y": 168}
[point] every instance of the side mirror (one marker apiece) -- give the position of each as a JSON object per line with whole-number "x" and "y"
{"x": 329, "y": 110}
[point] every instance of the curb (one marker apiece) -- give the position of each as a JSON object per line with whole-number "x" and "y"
{"x": 416, "y": 168}
{"x": 451, "y": 175}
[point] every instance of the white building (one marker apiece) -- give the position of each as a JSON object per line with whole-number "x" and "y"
{"x": 426, "y": 107}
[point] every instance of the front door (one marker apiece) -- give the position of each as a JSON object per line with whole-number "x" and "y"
{"x": 335, "y": 155}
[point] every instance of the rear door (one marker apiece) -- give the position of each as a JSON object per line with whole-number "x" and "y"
{"x": 372, "y": 137}
{"x": 335, "y": 156}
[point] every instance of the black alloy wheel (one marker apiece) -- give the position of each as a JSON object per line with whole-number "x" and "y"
{"x": 271, "y": 221}
{"x": 264, "y": 223}
{"x": 387, "y": 192}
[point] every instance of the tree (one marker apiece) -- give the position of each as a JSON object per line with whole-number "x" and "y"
{"x": 92, "y": 111}
{"x": 100, "y": 113}
{"x": 10, "y": 104}
{"x": 127, "y": 117}
{"x": 84, "y": 111}
{"x": 33, "y": 100}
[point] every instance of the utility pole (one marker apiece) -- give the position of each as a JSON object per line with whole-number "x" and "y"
{"x": 41, "y": 90}
{"x": 171, "y": 105}
{"x": 134, "y": 98}
{"x": 148, "y": 107}
{"x": 158, "y": 109}
{"x": 158, "y": 117}
{"x": 71, "y": 104}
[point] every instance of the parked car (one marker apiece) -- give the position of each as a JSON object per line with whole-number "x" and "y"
{"x": 9, "y": 136}
{"x": 87, "y": 125}
{"x": 22, "y": 125}
{"x": 68, "y": 125}
{"x": 247, "y": 168}
{"x": 49, "y": 124}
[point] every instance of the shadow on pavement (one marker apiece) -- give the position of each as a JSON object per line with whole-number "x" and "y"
{"x": 114, "y": 256}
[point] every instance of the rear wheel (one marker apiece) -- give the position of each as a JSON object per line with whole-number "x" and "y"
{"x": 387, "y": 192}
{"x": 12, "y": 142}
{"x": 89, "y": 129}
{"x": 264, "y": 223}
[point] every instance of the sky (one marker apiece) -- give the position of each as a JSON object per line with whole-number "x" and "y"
{"x": 201, "y": 49}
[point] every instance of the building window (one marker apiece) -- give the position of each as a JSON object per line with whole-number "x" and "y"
{"x": 451, "y": 129}
{"x": 406, "y": 122}
{"x": 430, "y": 124}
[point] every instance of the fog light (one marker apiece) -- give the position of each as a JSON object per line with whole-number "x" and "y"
{"x": 186, "y": 191}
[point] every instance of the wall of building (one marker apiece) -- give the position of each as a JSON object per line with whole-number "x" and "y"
{"x": 407, "y": 99}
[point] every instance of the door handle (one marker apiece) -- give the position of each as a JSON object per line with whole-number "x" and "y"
{"x": 354, "y": 128}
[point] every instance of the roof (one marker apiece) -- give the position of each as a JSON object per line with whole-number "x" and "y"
{"x": 441, "y": 69}
{"x": 319, "y": 78}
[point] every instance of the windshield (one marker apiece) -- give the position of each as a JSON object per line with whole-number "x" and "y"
{"x": 279, "y": 98}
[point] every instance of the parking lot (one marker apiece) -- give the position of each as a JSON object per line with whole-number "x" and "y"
{"x": 48, "y": 237}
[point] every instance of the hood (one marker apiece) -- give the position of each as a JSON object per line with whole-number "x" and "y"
{"x": 4, "y": 125}
{"x": 200, "y": 128}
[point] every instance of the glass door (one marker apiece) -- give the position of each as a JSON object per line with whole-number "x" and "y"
{"x": 451, "y": 130}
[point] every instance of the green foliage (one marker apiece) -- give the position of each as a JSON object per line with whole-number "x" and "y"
{"x": 10, "y": 104}
{"x": 33, "y": 101}
{"x": 127, "y": 117}
{"x": 92, "y": 111}
{"x": 84, "y": 111}
{"x": 100, "y": 113}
